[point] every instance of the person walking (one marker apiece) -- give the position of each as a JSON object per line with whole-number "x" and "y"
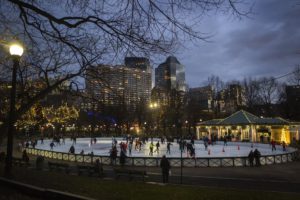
{"x": 257, "y": 155}
{"x": 25, "y": 156}
{"x": 165, "y": 167}
{"x": 251, "y": 158}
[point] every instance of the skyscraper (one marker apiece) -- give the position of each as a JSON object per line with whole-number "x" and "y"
{"x": 116, "y": 85}
{"x": 170, "y": 75}
{"x": 138, "y": 63}
{"x": 202, "y": 98}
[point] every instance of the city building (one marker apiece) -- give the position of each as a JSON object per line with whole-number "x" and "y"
{"x": 118, "y": 85}
{"x": 170, "y": 75}
{"x": 202, "y": 98}
{"x": 230, "y": 99}
{"x": 160, "y": 96}
{"x": 138, "y": 63}
{"x": 244, "y": 126}
{"x": 293, "y": 102}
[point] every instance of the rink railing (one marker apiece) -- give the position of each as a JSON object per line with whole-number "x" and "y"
{"x": 175, "y": 162}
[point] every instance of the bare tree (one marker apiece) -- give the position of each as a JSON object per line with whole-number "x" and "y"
{"x": 216, "y": 83}
{"x": 251, "y": 92}
{"x": 295, "y": 79}
{"x": 63, "y": 38}
{"x": 268, "y": 90}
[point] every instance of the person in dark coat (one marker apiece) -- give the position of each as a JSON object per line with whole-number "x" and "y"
{"x": 113, "y": 155}
{"x": 257, "y": 155}
{"x": 25, "y": 157}
{"x": 165, "y": 167}
{"x": 72, "y": 149}
{"x": 122, "y": 157}
{"x": 251, "y": 158}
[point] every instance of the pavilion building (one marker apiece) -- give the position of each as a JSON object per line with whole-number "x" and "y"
{"x": 244, "y": 126}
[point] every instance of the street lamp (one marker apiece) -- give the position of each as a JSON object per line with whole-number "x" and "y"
{"x": 16, "y": 51}
{"x": 154, "y": 106}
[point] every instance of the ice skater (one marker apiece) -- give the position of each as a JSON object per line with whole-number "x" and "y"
{"x": 283, "y": 146}
{"x": 151, "y": 149}
{"x": 72, "y": 149}
{"x": 169, "y": 147}
{"x": 52, "y": 145}
{"x": 157, "y": 147}
{"x": 273, "y": 144}
{"x": 225, "y": 141}
{"x": 130, "y": 147}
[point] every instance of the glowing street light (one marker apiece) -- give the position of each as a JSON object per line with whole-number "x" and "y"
{"x": 16, "y": 51}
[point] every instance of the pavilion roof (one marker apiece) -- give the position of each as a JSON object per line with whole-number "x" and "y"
{"x": 243, "y": 117}
{"x": 211, "y": 122}
{"x": 239, "y": 118}
{"x": 273, "y": 121}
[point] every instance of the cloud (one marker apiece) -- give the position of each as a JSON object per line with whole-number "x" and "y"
{"x": 267, "y": 44}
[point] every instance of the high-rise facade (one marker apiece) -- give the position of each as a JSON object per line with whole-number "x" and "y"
{"x": 118, "y": 85}
{"x": 202, "y": 98}
{"x": 170, "y": 75}
{"x": 138, "y": 63}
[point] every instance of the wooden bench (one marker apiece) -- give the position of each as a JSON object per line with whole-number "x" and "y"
{"x": 129, "y": 173}
{"x": 20, "y": 162}
{"x": 90, "y": 169}
{"x": 59, "y": 166}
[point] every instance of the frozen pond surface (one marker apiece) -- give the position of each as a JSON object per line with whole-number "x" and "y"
{"x": 103, "y": 146}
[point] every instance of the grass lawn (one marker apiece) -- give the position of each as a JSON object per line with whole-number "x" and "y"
{"x": 104, "y": 189}
{"x": 7, "y": 193}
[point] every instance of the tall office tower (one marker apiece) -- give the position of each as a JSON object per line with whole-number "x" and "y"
{"x": 170, "y": 75}
{"x": 202, "y": 98}
{"x": 138, "y": 63}
{"x": 118, "y": 85}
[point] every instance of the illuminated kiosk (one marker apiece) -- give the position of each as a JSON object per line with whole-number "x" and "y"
{"x": 244, "y": 126}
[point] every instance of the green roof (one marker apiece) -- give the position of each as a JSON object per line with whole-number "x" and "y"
{"x": 273, "y": 121}
{"x": 243, "y": 118}
{"x": 240, "y": 117}
{"x": 211, "y": 122}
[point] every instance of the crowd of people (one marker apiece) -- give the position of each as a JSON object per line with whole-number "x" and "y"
{"x": 125, "y": 149}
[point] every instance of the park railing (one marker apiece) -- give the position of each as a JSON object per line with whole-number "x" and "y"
{"x": 283, "y": 157}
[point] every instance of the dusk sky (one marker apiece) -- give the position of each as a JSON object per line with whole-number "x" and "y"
{"x": 267, "y": 43}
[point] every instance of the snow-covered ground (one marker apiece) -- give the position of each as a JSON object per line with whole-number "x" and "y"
{"x": 103, "y": 146}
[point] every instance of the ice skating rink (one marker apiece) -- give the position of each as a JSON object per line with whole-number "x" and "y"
{"x": 103, "y": 145}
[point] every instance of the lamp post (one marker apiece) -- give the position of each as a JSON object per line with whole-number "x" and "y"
{"x": 16, "y": 51}
{"x": 181, "y": 149}
{"x": 154, "y": 106}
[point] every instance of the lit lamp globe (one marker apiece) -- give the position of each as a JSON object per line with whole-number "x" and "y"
{"x": 16, "y": 50}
